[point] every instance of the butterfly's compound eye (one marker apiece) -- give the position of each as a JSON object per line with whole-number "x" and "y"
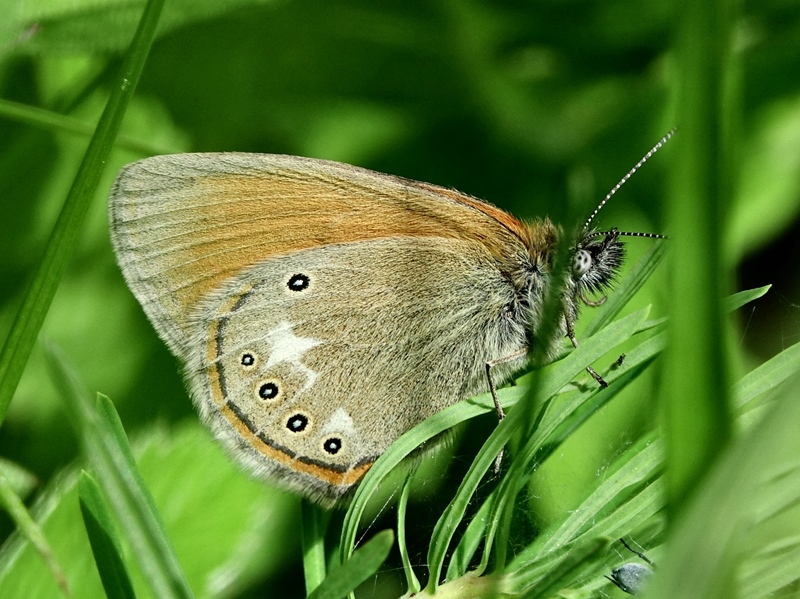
{"x": 581, "y": 263}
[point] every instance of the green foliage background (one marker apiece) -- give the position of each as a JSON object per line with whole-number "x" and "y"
{"x": 539, "y": 107}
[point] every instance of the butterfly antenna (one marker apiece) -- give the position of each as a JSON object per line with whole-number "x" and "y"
{"x": 622, "y": 181}
{"x": 626, "y": 234}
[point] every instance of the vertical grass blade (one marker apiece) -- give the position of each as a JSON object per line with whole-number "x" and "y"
{"x": 314, "y": 521}
{"x": 111, "y": 459}
{"x": 697, "y": 418}
{"x": 412, "y": 583}
{"x": 39, "y": 294}
{"x": 104, "y": 539}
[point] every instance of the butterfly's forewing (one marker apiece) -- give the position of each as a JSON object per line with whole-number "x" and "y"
{"x": 322, "y": 310}
{"x": 183, "y": 224}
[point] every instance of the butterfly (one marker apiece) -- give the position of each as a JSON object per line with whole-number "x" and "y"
{"x": 322, "y": 310}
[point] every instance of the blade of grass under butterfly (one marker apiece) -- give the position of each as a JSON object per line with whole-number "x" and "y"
{"x": 557, "y": 424}
{"x": 104, "y": 540}
{"x": 30, "y": 530}
{"x": 39, "y": 294}
{"x": 473, "y": 536}
{"x": 314, "y": 524}
{"x": 110, "y": 456}
{"x": 403, "y": 447}
{"x": 581, "y": 557}
{"x": 553, "y": 378}
{"x": 364, "y": 562}
{"x": 536, "y": 449}
{"x": 412, "y": 582}
{"x": 470, "y": 541}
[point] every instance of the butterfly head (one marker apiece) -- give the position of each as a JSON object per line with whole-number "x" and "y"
{"x": 597, "y": 255}
{"x": 596, "y": 260}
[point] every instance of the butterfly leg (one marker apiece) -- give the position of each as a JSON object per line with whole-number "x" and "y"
{"x": 637, "y": 553}
{"x": 493, "y": 390}
{"x": 589, "y": 369}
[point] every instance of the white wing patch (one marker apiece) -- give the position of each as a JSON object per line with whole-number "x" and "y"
{"x": 339, "y": 422}
{"x": 285, "y": 346}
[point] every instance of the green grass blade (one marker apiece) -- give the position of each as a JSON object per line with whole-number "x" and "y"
{"x": 553, "y": 378}
{"x": 28, "y": 527}
{"x": 772, "y": 573}
{"x": 314, "y": 521}
{"x": 110, "y": 456}
{"x": 412, "y": 583}
{"x": 635, "y": 474}
{"x": 39, "y": 294}
{"x": 53, "y": 121}
{"x": 766, "y": 377}
{"x": 697, "y": 419}
{"x": 104, "y": 539}
{"x": 469, "y": 542}
{"x": 364, "y": 562}
{"x": 554, "y": 429}
{"x": 741, "y": 298}
{"x": 22, "y": 481}
{"x": 583, "y": 556}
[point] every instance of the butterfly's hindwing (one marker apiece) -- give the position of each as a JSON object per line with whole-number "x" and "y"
{"x": 320, "y": 357}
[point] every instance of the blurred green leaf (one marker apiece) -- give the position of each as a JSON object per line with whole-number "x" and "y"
{"x": 96, "y": 25}
{"x": 22, "y": 481}
{"x": 314, "y": 521}
{"x": 205, "y": 502}
{"x": 714, "y": 534}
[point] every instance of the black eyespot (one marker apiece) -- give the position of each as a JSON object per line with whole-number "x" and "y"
{"x": 332, "y": 445}
{"x": 298, "y": 282}
{"x": 297, "y": 423}
{"x": 268, "y": 391}
{"x": 248, "y": 359}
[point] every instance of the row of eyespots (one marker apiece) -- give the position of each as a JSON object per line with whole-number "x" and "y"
{"x": 299, "y": 422}
{"x": 269, "y": 390}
